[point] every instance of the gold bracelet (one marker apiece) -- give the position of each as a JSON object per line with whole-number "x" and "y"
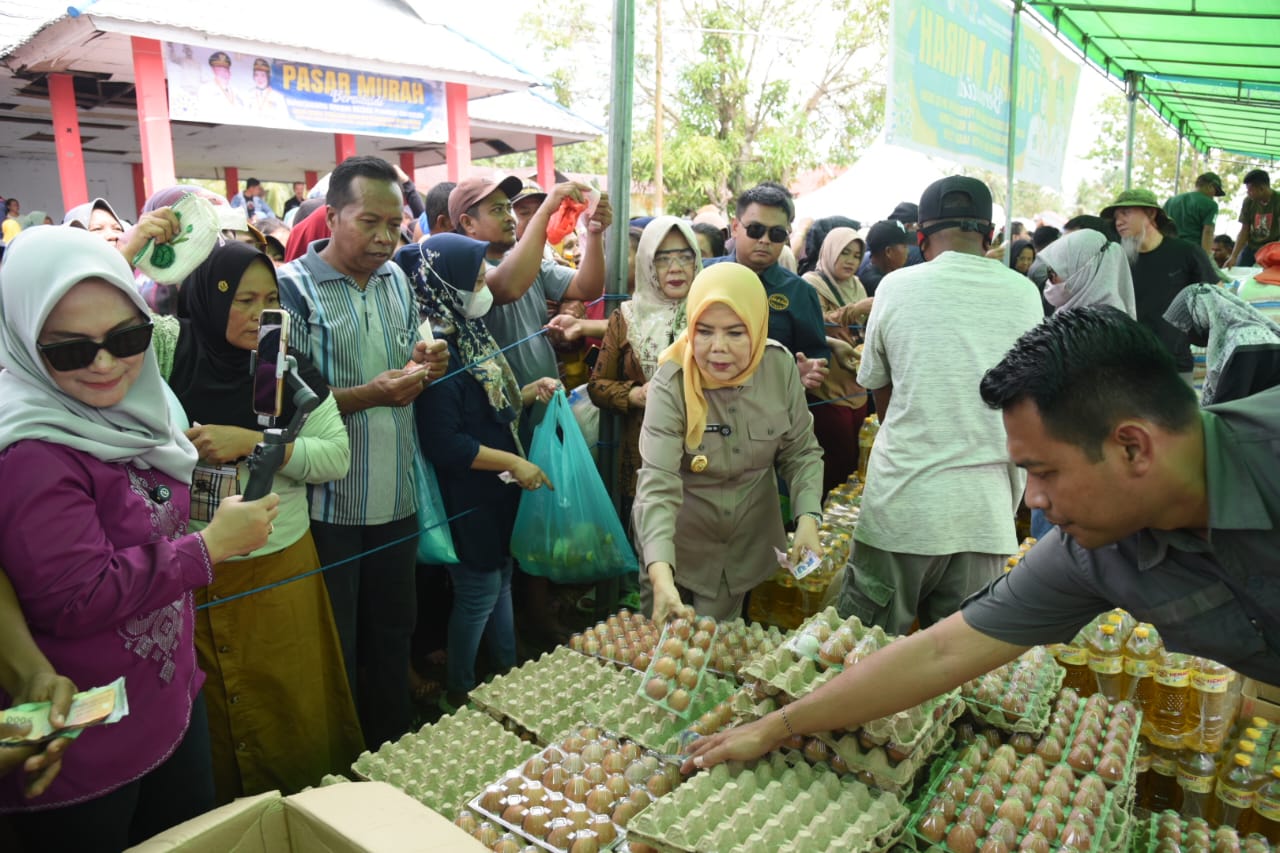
{"x": 786, "y": 722}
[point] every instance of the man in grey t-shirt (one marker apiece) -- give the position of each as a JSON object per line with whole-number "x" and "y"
{"x": 520, "y": 280}
{"x": 1168, "y": 511}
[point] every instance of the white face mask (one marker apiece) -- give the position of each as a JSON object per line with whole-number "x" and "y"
{"x": 476, "y": 303}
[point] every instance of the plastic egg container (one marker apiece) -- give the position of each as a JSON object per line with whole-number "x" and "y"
{"x": 494, "y": 836}
{"x": 548, "y": 695}
{"x": 444, "y": 764}
{"x": 674, "y": 677}
{"x": 1016, "y": 696}
{"x": 738, "y": 642}
{"x": 995, "y": 799}
{"x": 582, "y": 791}
{"x": 1169, "y": 832}
{"x": 775, "y": 804}
{"x": 1093, "y": 735}
{"x": 655, "y": 728}
{"x": 625, "y": 638}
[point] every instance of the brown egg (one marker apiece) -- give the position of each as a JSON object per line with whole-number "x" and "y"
{"x": 573, "y": 744}
{"x": 944, "y": 803}
{"x": 1053, "y": 807}
{"x": 578, "y": 813}
{"x": 585, "y": 841}
{"x": 536, "y": 766}
{"x": 984, "y": 798}
{"x": 602, "y": 825}
{"x": 1034, "y": 842}
{"x": 595, "y": 774}
{"x": 962, "y": 838}
{"x": 576, "y": 789}
{"x": 974, "y": 816}
{"x": 1090, "y": 793}
{"x": 1081, "y": 757}
{"x": 1013, "y": 811}
{"x": 559, "y": 832}
{"x": 707, "y": 624}
{"x": 535, "y": 821}
{"x": 1043, "y": 824}
{"x": 666, "y": 666}
{"x": 955, "y": 786}
{"x": 933, "y": 825}
{"x": 679, "y": 700}
{"x": 535, "y": 791}
{"x": 593, "y": 753}
{"x": 1004, "y": 830}
{"x": 623, "y": 812}
{"x": 1021, "y": 793}
{"x": 508, "y": 844}
{"x": 492, "y": 797}
{"x": 656, "y": 689}
{"x": 1111, "y": 768}
{"x": 680, "y": 628}
{"x": 487, "y": 834}
{"x": 993, "y": 844}
{"x": 1022, "y": 743}
{"x": 1076, "y": 834}
{"x": 658, "y": 785}
{"x": 673, "y": 647}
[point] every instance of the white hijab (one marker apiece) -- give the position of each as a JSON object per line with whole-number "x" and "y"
{"x": 1093, "y": 271}
{"x": 653, "y": 320}
{"x": 40, "y": 266}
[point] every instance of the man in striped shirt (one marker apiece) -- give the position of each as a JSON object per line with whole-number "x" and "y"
{"x": 355, "y": 318}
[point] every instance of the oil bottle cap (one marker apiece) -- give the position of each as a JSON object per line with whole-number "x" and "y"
{"x": 1252, "y": 734}
{"x": 1261, "y": 723}
{"x": 1243, "y": 760}
{"x": 1247, "y": 746}
{"x": 1107, "y": 628}
{"x": 1142, "y": 631}
{"x": 1275, "y": 771}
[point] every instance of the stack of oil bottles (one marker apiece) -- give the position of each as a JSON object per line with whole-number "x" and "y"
{"x": 1195, "y": 757}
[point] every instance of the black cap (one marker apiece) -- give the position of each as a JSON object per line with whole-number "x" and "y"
{"x": 975, "y": 202}
{"x": 905, "y": 212}
{"x": 886, "y": 233}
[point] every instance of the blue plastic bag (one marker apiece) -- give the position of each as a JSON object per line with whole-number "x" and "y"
{"x": 435, "y": 544}
{"x": 571, "y": 534}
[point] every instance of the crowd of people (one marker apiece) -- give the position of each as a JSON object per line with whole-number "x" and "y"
{"x": 1055, "y": 371}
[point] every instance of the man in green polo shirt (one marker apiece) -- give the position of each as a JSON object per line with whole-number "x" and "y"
{"x": 1195, "y": 213}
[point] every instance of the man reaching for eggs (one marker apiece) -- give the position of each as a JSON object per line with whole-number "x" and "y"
{"x": 1163, "y": 509}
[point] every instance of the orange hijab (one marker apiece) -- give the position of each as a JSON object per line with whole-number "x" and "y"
{"x": 738, "y": 288}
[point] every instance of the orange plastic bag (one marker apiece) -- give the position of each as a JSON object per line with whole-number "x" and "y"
{"x": 564, "y": 220}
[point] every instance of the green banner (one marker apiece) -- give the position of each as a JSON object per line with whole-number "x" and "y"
{"x": 949, "y": 87}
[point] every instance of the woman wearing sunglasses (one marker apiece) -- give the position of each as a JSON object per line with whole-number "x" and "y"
{"x": 94, "y": 508}
{"x": 280, "y": 710}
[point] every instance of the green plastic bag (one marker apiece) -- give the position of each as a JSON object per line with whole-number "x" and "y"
{"x": 571, "y": 534}
{"x": 435, "y": 544}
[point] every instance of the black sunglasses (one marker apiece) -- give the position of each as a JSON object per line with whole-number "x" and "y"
{"x": 80, "y": 353}
{"x": 777, "y": 234}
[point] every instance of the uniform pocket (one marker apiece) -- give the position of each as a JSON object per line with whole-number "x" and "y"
{"x": 866, "y": 593}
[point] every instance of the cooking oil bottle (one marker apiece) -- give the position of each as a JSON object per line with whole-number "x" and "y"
{"x": 1211, "y": 706}
{"x": 1163, "y": 791}
{"x": 1141, "y": 652}
{"x": 1234, "y": 791}
{"x": 1106, "y": 661}
{"x": 1166, "y": 720}
{"x": 866, "y": 438}
{"x": 1264, "y": 817}
{"x": 1197, "y": 773}
{"x": 1074, "y": 658}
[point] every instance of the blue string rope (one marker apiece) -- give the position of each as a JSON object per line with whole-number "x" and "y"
{"x": 342, "y": 562}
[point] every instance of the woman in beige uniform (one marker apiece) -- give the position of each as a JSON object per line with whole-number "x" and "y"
{"x": 725, "y": 409}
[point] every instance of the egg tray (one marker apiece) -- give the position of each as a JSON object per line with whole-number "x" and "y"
{"x": 1129, "y": 775}
{"x": 1113, "y": 817}
{"x": 1147, "y": 836}
{"x": 443, "y": 764}
{"x": 777, "y": 803}
{"x": 652, "y": 727}
{"x": 546, "y": 696}
{"x": 645, "y": 766}
{"x": 651, "y": 675}
{"x": 900, "y": 775}
{"x": 622, "y": 615}
{"x": 762, "y": 639}
{"x": 1046, "y": 682}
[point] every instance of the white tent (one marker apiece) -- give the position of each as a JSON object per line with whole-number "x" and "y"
{"x": 883, "y": 176}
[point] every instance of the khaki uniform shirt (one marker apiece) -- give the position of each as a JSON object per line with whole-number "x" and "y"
{"x": 724, "y": 522}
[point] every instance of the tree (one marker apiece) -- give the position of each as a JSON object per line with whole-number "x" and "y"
{"x": 761, "y": 91}
{"x": 1155, "y": 158}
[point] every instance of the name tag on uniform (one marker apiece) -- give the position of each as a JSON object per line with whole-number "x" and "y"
{"x": 723, "y": 429}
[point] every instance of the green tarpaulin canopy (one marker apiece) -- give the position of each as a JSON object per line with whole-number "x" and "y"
{"x": 1211, "y": 68}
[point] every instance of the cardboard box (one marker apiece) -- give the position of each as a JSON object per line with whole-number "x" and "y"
{"x": 359, "y": 817}
{"x": 1259, "y": 699}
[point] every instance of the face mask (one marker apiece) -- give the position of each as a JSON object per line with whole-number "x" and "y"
{"x": 476, "y": 303}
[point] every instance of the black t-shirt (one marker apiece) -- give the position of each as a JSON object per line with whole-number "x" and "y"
{"x": 1158, "y": 276}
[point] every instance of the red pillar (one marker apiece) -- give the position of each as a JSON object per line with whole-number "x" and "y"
{"x": 153, "y": 115}
{"x": 407, "y": 165}
{"x": 139, "y": 189}
{"x": 311, "y": 176}
{"x": 232, "y": 177}
{"x": 458, "y": 149}
{"x": 546, "y": 161}
{"x": 344, "y": 146}
{"x": 66, "y": 139}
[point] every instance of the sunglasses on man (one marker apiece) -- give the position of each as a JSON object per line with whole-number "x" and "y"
{"x": 777, "y": 233}
{"x": 79, "y": 353}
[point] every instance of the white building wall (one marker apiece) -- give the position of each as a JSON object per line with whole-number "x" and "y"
{"x": 34, "y": 182}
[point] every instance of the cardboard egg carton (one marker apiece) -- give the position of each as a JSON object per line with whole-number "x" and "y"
{"x": 546, "y": 696}
{"x": 775, "y": 804}
{"x": 893, "y": 766}
{"x": 444, "y": 764}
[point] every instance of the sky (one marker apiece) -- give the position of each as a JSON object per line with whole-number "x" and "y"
{"x": 504, "y": 33}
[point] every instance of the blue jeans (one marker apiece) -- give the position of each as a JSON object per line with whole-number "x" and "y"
{"x": 481, "y": 607}
{"x": 1039, "y": 524}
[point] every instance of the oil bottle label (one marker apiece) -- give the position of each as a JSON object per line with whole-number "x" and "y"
{"x": 1173, "y": 677}
{"x": 1072, "y": 656}
{"x": 1241, "y": 798}
{"x": 1137, "y": 667}
{"x": 1195, "y": 784}
{"x": 1106, "y": 664}
{"x": 1269, "y": 809}
{"x": 1211, "y": 682}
